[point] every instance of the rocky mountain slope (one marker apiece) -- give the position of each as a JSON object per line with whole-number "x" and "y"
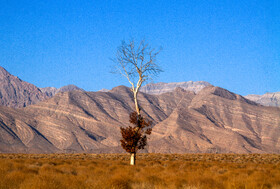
{"x": 159, "y": 88}
{"x": 17, "y": 93}
{"x": 51, "y": 91}
{"x": 202, "y": 118}
{"x": 213, "y": 120}
{"x": 268, "y": 99}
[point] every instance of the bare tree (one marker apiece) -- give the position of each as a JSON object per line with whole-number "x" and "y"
{"x": 138, "y": 64}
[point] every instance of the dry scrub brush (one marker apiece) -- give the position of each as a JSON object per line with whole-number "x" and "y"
{"x": 153, "y": 171}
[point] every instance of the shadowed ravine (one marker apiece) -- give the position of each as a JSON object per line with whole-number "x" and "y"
{"x": 214, "y": 120}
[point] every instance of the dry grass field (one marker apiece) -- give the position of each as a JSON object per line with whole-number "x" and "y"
{"x": 28, "y": 171}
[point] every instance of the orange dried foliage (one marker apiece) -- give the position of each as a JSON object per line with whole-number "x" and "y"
{"x": 134, "y": 137}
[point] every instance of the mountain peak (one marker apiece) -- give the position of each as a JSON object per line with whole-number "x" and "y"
{"x": 120, "y": 89}
{"x": 268, "y": 99}
{"x": 223, "y": 93}
{"x": 182, "y": 123}
{"x": 2, "y": 69}
{"x": 51, "y": 91}
{"x": 103, "y": 90}
{"x": 159, "y": 88}
{"x": 218, "y": 91}
{"x": 3, "y": 72}
{"x": 70, "y": 87}
{"x": 17, "y": 93}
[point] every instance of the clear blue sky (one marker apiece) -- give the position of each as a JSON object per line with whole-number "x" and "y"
{"x": 231, "y": 44}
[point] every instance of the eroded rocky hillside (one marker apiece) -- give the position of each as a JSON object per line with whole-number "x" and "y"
{"x": 214, "y": 120}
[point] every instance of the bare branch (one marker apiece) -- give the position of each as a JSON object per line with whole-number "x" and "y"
{"x": 138, "y": 64}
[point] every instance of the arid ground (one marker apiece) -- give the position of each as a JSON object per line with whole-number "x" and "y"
{"x": 152, "y": 171}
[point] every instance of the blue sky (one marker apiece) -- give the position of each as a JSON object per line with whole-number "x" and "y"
{"x": 231, "y": 44}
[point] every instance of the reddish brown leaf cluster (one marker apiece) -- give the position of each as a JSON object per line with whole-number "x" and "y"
{"x": 134, "y": 137}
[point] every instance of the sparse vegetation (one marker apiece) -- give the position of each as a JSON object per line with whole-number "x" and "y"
{"x": 138, "y": 65}
{"x": 152, "y": 171}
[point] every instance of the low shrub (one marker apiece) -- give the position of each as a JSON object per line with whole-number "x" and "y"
{"x": 152, "y": 171}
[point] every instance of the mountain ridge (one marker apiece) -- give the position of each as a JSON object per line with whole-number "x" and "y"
{"x": 214, "y": 120}
{"x": 161, "y": 87}
{"x": 17, "y": 93}
{"x": 267, "y": 99}
{"x": 211, "y": 120}
{"x": 51, "y": 91}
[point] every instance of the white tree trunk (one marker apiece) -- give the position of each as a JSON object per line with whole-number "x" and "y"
{"x": 136, "y": 103}
{"x": 136, "y": 106}
{"x": 132, "y": 158}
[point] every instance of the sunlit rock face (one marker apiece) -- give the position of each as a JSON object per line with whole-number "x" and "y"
{"x": 213, "y": 120}
{"x": 159, "y": 88}
{"x": 188, "y": 117}
{"x": 268, "y": 99}
{"x": 51, "y": 91}
{"x": 17, "y": 93}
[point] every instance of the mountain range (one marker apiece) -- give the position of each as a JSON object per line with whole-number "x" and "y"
{"x": 17, "y": 93}
{"x": 159, "y": 88}
{"x": 209, "y": 120}
{"x": 268, "y": 99}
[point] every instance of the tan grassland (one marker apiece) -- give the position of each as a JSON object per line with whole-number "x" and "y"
{"x": 30, "y": 171}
